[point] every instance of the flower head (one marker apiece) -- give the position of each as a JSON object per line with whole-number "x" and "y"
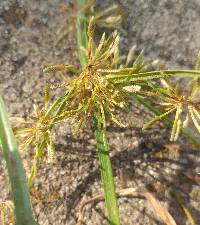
{"x": 172, "y": 99}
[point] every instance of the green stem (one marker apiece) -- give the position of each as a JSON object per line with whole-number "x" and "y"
{"x": 81, "y": 27}
{"x": 16, "y": 172}
{"x": 101, "y": 140}
{"x": 106, "y": 172}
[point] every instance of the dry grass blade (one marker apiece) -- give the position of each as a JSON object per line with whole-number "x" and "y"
{"x": 160, "y": 210}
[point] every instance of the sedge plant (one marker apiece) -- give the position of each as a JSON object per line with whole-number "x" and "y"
{"x": 103, "y": 86}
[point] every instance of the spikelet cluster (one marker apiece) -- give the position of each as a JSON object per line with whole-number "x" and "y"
{"x": 36, "y": 131}
{"x": 172, "y": 100}
{"x": 91, "y": 92}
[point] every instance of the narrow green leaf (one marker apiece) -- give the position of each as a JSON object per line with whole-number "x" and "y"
{"x": 16, "y": 172}
{"x": 156, "y": 119}
{"x": 149, "y": 75}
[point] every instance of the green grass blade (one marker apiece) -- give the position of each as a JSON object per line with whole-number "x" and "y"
{"x": 122, "y": 74}
{"x": 106, "y": 173}
{"x": 155, "y": 119}
{"x": 16, "y": 172}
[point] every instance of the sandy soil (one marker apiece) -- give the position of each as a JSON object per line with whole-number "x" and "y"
{"x": 168, "y": 30}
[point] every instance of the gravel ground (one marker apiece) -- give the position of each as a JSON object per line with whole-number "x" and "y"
{"x": 169, "y": 31}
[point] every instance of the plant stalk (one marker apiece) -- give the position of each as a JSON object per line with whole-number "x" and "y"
{"x": 81, "y": 27}
{"x": 101, "y": 140}
{"x": 16, "y": 172}
{"x": 106, "y": 172}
